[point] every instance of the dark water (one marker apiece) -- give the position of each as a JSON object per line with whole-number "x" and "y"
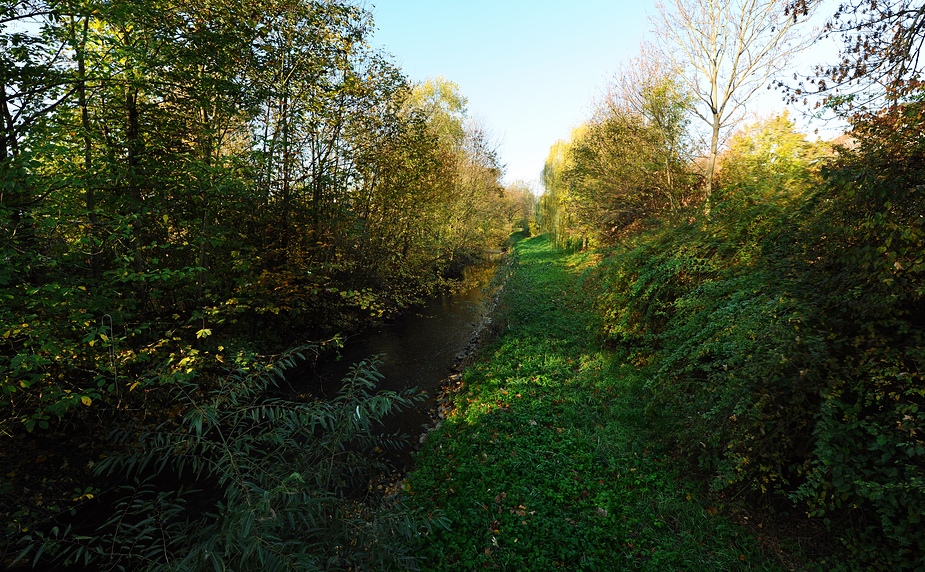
{"x": 420, "y": 350}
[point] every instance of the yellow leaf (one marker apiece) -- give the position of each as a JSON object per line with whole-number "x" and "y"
{"x": 85, "y": 400}
{"x": 104, "y": 337}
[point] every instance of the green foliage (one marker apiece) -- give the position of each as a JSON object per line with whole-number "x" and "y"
{"x": 547, "y": 463}
{"x": 767, "y": 161}
{"x": 786, "y": 329}
{"x": 732, "y": 372}
{"x": 184, "y": 186}
{"x": 267, "y": 484}
{"x": 444, "y": 106}
{"x": 624, "y": 167}
{"x": 173, "y": 170}
{"x": 555, "y": 215}
{"x": 869, "y": 460}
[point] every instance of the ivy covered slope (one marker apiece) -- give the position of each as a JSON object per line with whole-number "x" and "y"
{"x": 545, "y": 463}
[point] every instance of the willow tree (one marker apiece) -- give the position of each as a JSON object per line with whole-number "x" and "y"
{"x": 726, "y": 51}
{"x": 555, "y": 213}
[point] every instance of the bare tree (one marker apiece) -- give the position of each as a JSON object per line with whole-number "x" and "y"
{"x": 726, "y": 51}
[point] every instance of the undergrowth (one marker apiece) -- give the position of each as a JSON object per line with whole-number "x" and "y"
{"x": 247, "y": 481}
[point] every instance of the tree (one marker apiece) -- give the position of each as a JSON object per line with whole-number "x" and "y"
{"x": 185, "y": 184}
{"x": 443, "y": 105}
{"x": 33, "y": 84}
{"x": 651, "y": 89}
{"x": 768, "y": 160}
{"x": 470, "y": 215}
{"x": 32, "y": 80}
{"x": 726, "y": 51}
{"x": 880, "y": 55}
{"x": 521, "y": 207}
{"x": 627, "y": 164}
{"x": 556, "y": 214}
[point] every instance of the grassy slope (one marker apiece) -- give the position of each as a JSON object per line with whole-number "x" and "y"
{"x": 544, "y": 464}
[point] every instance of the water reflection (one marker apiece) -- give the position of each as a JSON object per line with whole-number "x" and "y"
{"x": 420, "y": 349}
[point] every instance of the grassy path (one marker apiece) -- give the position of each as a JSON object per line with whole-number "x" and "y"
{"x": 544, "y": 463}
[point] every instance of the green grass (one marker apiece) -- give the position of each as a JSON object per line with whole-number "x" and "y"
{"x": 545, "y": 463}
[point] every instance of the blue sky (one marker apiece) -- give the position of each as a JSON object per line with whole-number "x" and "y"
{"x": 530, "y": 69}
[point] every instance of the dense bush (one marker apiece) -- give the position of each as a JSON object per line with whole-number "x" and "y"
{"x": 867, "y": 248}
{"x": 785, "y": 330}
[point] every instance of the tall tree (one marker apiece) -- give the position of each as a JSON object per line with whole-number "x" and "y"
{"x": 627, "y": 164}
{"x": 726, "y": 51}
{"x": 33, "y": 84}
{"x": 769, "y": 161}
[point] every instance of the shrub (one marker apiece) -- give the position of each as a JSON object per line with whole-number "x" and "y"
{"x": 786, "y": 333}
{"x": 867, "y": 244}
{"x": 274, "y": 484}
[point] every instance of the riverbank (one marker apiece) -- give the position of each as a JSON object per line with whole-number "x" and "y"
{"x": 544, "y": 462}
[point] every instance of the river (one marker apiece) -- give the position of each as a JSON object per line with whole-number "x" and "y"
{"x": 421, "y": 350}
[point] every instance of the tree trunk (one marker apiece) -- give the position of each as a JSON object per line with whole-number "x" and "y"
{"x": 80, "y": 54}
{"x": 89, "y": 191}
{"x": 286, "y": 172}
{"x": 711, "y": 162}
{"x": 8, "y": 145}
{"x": 132, "y": 145}
{"x": 133, "y": 152}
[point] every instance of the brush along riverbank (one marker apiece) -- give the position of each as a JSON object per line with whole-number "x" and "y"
{"x": 544, "y": 462}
